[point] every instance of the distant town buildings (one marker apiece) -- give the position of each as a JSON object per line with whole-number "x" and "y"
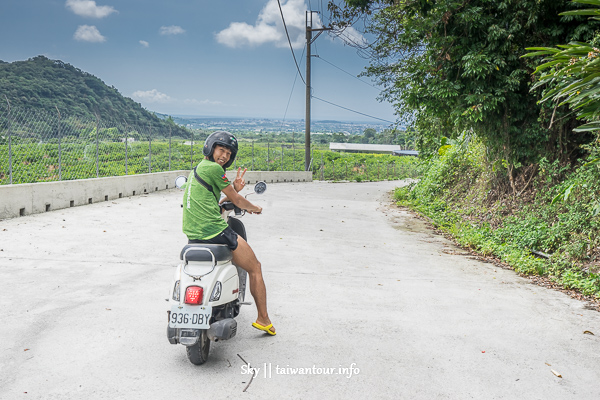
{"x": 276, "y": 125}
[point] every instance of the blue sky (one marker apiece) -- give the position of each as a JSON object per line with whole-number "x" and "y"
{"x": 196, "y": 57}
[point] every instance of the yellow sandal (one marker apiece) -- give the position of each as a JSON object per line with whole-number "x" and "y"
{"x": 267, "y": 328}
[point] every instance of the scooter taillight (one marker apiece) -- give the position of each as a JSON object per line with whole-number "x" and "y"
{"x": 193, "y": 295}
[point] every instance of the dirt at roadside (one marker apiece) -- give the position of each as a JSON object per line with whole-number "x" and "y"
{"x": 405, "y": 219}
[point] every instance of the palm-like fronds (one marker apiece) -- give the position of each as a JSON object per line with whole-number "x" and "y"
{"x": 572, "y": 74}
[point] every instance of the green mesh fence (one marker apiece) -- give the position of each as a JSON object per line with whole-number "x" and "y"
{"x": 40, "y": 147}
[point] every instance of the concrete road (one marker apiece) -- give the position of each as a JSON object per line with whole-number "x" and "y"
{"x": 366, "y": 301}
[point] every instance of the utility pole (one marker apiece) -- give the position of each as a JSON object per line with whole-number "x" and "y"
{"x": 307, "y": 108}
{"x": 309, "y": 40}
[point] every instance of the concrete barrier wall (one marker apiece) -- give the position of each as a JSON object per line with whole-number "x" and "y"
{"x": 31, "y": 198}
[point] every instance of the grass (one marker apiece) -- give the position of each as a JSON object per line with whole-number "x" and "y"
{"x": 470, "y": 202}
{"x": 36, "y": 161}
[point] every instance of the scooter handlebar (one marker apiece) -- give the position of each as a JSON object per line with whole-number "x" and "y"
{"x": 229, "y": 206}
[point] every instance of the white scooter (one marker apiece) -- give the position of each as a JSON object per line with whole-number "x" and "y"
{"x": 207, "y": 290}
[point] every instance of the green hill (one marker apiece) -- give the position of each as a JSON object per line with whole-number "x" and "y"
{"x": 42, "y": 84}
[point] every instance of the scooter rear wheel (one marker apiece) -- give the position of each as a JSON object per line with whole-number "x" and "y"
{"x": 198, "y": 353}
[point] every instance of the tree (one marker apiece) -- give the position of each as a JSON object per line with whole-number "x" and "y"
{"x": 369, "y": 135}
{"x": 338, "y": 137}
{"x": 453, "y": 66}
{"x": 571, "y": 74}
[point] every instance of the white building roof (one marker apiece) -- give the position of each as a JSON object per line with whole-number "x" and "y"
{"x": 366, "y": 148}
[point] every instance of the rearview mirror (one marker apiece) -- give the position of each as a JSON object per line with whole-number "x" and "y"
{"x": 180, "y": 181}
{"x": 260, "y": 187}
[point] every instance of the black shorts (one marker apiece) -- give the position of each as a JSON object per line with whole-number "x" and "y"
{"x": 228, "y": 237}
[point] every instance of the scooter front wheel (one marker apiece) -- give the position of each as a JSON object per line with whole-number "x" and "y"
{"x": 198, "y": 353}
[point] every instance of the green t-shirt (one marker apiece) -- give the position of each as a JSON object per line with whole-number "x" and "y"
{"x": 201, "y": 213}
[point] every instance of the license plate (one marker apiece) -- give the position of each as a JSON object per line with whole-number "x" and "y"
{"x": 188, "y": 316}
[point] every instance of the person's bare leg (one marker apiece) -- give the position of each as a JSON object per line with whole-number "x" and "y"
{"x": 245, "y": 258}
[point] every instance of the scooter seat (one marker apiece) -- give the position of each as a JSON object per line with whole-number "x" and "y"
{"x": 222, "y": 252}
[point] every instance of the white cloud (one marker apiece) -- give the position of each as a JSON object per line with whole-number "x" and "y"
{"x": 269, "y": 27}
{"x": 87, "y": 33}
{"x": 88, "y": 8}
{"x": 155, "y": 97}
{"x": 171, "y": 30}
{"x": 152, "y": 96}
{"x": 195, "y": 102}
{"x": 144, "y": 43}
{"x": 353, "y": 37}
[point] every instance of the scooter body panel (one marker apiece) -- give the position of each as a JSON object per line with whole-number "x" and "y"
{"x": 226, "y": 274}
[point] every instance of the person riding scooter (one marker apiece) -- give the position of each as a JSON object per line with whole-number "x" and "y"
{"x": 202, "y": 222}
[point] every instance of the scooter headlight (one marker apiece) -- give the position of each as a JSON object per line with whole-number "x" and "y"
{"x": 216, "y": 293}
{"x": 176, "y": 291}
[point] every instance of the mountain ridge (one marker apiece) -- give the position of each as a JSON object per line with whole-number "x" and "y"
{"x": 42, "y": 84}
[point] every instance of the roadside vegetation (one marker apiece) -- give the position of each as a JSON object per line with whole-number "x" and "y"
{"x": 34, "y": 161}
{"x": 551, "y": 229}
{"x": 504, "y": 99}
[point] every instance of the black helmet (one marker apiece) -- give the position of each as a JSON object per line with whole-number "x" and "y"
{"x": 224, "y": 139}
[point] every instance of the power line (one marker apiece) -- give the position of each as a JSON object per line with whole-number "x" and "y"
{"x": 292, "y": 92}
{"x": 346, "y": 72}
{"x": 289, "y": 41}
{"x": 288, "y": 103}
{"x": 323, "y": 17}
{"x": 354, "y": 111}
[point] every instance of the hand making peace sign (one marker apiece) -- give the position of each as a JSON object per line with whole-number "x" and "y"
{"x": 239, "y": 182}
